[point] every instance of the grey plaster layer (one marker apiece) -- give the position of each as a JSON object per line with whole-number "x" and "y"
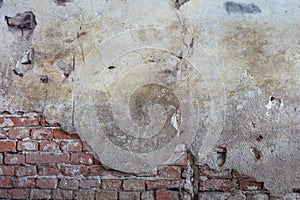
{"x": 245, "y": 53}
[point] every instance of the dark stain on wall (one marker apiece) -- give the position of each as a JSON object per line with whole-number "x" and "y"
{"x": 62, "y": 2}
{"x": 233, "y": 7}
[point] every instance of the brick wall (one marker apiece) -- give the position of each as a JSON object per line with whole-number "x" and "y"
{"x": 40, "y": 161}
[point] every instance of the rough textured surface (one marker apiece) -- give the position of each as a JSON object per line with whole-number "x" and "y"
{"x": 233, "y": 66}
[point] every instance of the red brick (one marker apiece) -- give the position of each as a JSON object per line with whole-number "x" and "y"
{"x": 96, "y": 161}
{"x": 250, "y": 185}
{"x": 71, "y": 146}
{"x": 25, "y": 170}
{"x": 129, "y": 195}
{"x": 71, "y": 184}
{"x": 111, "y": 184}
{"x": 49, "y": 146}
{"x": 47, "y": 158}
{"x": 105, "y": 195}
{"x": 98, "y": 170}
{"x": 25, "y": 182}
{"x": 8, "y": 146}
{"x": 212, "y": 173}
{"x": 3, "y": 134}
{"x": 46, "y": 183}
{"x": 25, "y": 121}
{"x": 18, "y": 133}
{"x": 74, "y": 170}
{"x": 62, "y": 194}
{"x": 48, "y": 170}
{"x": 6, "y": 122}
{"x": 86, "y": 184}
{"x": 164, "y": 184}
{"x": 216, "y": 184}
{"x": 3, "y": 194}
{"x": 27, "y": 146}
{"x": 81, "y": 159}
{"x": 84, "y": 194}
{"x": 40, "y": 194}
{"x": 18, "y": 193}
{"x": 133, "y": 185}
{"x": 169, "y": 172}
{"x": 41, "y": 134}
{"x": 167, "y": 195}
{"x": 60, "y": 134}
{"x": 7, "y": 170}
{"x": 6, "y": 182}
{"x": 14, "y": 159}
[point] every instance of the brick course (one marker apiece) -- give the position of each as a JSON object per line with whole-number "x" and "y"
{"x": 38, "y": 160}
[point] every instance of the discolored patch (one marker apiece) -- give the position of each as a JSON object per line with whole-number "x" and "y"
{"x": 233, "y": 7}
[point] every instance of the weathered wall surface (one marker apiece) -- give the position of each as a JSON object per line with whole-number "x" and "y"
{"x": 233, "y": 64}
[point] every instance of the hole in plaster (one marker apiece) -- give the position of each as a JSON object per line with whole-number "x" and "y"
{"x": 111, "y": 67}
{"x": 259, "y": 138}
{"x": 256, "y": 153}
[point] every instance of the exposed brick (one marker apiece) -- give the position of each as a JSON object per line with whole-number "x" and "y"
{"x": 41, "y": 134}
{"x": 3, "y": 194}
{"x": 62, "y": 194}
{"x": 46, "y": 183}
{"x": 71, "y": 146}
{"x": 47, "y": 158}
{"x": 18, "y": 193}
{"x": 105, "y": 195}
{"x": 25, "y": 182}
{"x": 133, "y": 185}
{"x": 3, "y": 134}
{"x": 129, "y": 196}
{"x": 84, "y": 194}
{"x": 7, "y": 170}
{"x": 81, "y": 159}
{"x": 86, "y": 184}
{"x": 19, "y": 121}
{"x": 97, "y": 170}
{"x": 60, "y": 134}
{"x": 71, "y": 184}
{"x": 49, "y": 146}
{"x": 167, "y": 195}
{"x": 250, "y": 185}
{"x": 74, "y": 170}
{"x": 7, "y": 146}
{"x": 25, "y": 170}
{"x": 111, "y": 184}
{"x": 164, "y": 184}
{"x": 216, "y": 184}
{"x": 27, "y": 146}
{"x": 6, "y": 182}
{"x": 212, "y": 173}
{"x": 148, "y": 195}
{"x": 169, "y": 172}
{"x": 48, "y": 170}
{"x": 40, "y": 194}
{"x": 18, "y": 133}
{"x": 14, "y": 159}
